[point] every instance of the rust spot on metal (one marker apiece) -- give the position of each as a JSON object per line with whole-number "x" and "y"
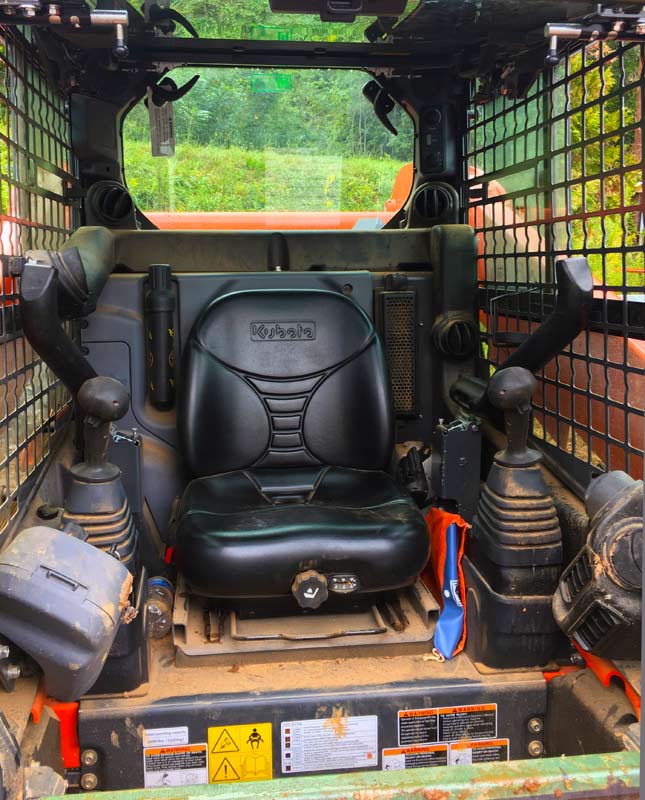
{"x": 530, "y": 785}
{"x": 435, "y": 794}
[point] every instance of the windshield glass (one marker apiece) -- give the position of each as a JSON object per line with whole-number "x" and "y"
{"x": 304, "y": 145}
{"x": 253, "y": 19}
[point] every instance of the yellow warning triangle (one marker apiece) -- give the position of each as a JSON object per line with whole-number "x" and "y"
{"x": 226, "y": 772}
{"x": 225, "y": 744}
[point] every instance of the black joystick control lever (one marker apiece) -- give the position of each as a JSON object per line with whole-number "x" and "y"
{"x": 95, "y": 497}
{"x": 511, "y": 390}
{"x": 103, "y": 400}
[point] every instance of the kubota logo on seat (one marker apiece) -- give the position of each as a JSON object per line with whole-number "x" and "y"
{"x": 283, "y": 331}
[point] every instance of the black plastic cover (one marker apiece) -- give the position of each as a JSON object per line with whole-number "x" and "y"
{"x": 61, "y": 601}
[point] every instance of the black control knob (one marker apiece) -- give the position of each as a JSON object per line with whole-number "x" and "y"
{"x": 310, "y": 589}
{"x": 103, "y": 400}
{"x": 511, "y": 390}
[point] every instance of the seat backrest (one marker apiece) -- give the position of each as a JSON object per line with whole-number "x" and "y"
{"x": 284, "y": 378}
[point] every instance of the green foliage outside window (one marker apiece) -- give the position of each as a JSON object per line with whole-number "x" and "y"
{"x": 252, "y": 140}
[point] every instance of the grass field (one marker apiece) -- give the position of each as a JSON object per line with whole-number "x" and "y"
{"x": 209, "y": 178}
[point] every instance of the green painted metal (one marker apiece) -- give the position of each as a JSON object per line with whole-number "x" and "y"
{"x": 611, "y": 775}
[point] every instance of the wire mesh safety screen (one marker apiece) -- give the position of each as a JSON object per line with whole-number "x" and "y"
{"x": 560, "y": 173}
{"x": 36, "y": 168}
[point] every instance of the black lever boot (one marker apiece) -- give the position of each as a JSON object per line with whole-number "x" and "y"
{"x": 95, "y": 497}
{"x": 514, "y": 554}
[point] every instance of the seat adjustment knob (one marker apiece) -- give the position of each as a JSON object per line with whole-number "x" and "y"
{"x": 310, "y": 589}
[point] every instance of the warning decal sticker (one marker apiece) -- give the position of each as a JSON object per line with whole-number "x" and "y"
{"x": 175, "y": 766}
{"x": 419, "y": 726}
{"x": 240, "y": 753}
{"x": 315, "y": 745}
{"x": 453, "y": 723}
{"x": 478, "y": 752}
{"x": 468, "y": 722}
{"x": 432, "y": 755}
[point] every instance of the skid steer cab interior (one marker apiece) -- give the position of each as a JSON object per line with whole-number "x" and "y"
{"x": 322, "y": 380}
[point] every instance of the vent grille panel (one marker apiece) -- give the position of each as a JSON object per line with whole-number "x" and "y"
{"x": 399, "y": 341}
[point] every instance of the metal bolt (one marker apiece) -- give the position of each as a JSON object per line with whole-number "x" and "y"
{"x": 535, "y": 725}
{"x": 10, "y": 672}
{"x": 89, "y": 758}
{"x": 4, "y": 651}
{"x": 577, "y": 659}
{"x": 89, "y": 781}
{"x": 535, "y": 748}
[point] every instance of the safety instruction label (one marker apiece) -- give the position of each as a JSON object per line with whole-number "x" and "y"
{"x": 478, "y": 752}
{"x": 418, "y": 726}
{"x": 339, "y": 742}
{"x": 240, "y": 753}
{"x": 468, "y": 722}
{"x": 447, "y": 724}
{"x": 165, "y": 737}
{"x": 185, "y": 765}
{"x": 431, "y": 755}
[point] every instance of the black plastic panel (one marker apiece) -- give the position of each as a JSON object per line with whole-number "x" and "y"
{"x": 110, "y": 728}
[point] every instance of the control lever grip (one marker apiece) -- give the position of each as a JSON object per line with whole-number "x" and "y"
{"x": 511, "y": 390}
{"x": 103, "y": 400}
{"x": 570, "y": 316}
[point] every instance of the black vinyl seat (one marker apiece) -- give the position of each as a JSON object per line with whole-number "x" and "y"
{"x": 286, "y": 422}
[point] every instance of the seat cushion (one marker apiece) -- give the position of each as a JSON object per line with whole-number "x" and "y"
{"x": 249, "y": 533}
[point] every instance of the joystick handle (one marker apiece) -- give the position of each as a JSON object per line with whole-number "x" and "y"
{"x": 511, "y": 390}
{"x": 103, "y": 400}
